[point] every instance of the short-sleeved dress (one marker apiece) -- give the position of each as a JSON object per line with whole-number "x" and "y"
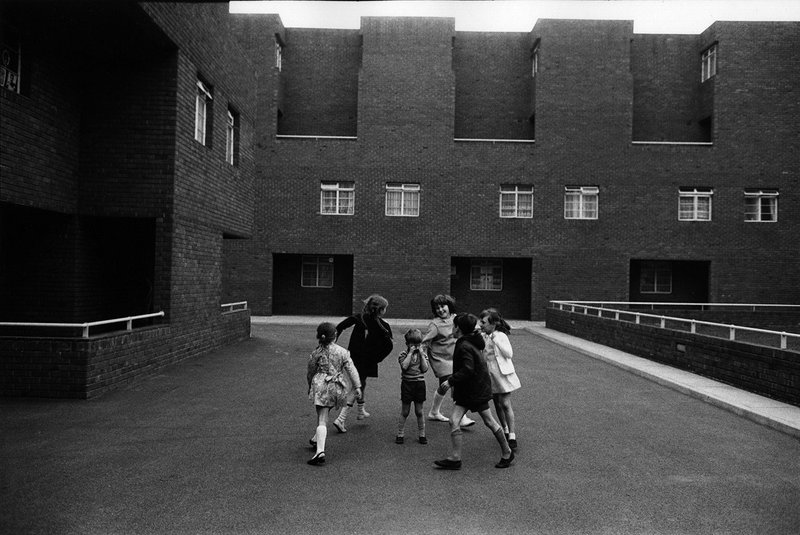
{"x": 441, "y": 346}
{"x": 331, "y": 375}
{"x": 504, "y": 377}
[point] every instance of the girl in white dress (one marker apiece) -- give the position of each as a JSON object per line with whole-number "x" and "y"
{"x": 498, "y": 354}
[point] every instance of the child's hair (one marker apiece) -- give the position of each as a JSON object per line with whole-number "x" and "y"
{"x": 497, "y": 320}
{"x": 373, "y": 304}
{"x": 326, "y": 333}
{"x": 443, "y": 299}
{"x": 466, "y": 323}
{"x": 413, "y": 337}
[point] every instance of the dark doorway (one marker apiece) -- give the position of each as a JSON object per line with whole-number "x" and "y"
{"x": 312, "y": 285}
{"x": 669, "y": 281}
{"x": 502, "y": 283}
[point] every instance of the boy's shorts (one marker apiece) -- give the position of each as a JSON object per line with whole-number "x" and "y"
{"x": 412, "y": 391}
{"x": 477, "y": 408}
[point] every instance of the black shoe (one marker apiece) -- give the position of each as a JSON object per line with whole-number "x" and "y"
{"x": 423, "y": 440}
{"x": 512, "y": 443}
{"x": 399, "y": 440}
{"x": 319, "y": 458}
{"x": 505, "y": 463}
{"x": 447, "y": 464}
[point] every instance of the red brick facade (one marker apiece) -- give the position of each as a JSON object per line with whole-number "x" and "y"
{"x": 461, "y": 115}
{"x": 109, "y": 207}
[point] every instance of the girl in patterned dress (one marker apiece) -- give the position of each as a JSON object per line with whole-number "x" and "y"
{"x": 331, "y": 376}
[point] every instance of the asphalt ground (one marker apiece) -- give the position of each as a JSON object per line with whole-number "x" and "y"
{"x": 218, "y": 444}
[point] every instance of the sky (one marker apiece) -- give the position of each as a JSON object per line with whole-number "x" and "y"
{"x": 649, "y": 16}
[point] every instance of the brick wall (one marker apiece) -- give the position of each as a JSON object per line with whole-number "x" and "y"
{"x": 320, "y": 70}
{"x": 411, "y": 95}
{"x": 666, "y": 88}
{"x": 762, "y": 370}
{"x": 493, "y": 85}
{"x": 78, "y": 368}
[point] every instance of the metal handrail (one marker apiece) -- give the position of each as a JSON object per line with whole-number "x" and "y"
{"x": 86, "y": 325}
{"x": 703, "y": 306}
{"x": 662, "y": 319}
{"x": 232, "y": 307}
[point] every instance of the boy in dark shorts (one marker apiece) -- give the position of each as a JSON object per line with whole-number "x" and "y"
{"x": 472, "y": 391}
{"x": 413, "y": 365}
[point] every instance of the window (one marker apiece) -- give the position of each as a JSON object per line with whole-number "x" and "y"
{"x": 317, "y": 272}
{"x": 581, "y": 202}
{"x": 761, "y": 205}
{"x": 402, "y": 199}
{"x": 202, "y": 113}
{"x": 278, "y": 56}
{"x": 694, "y": 204}
{"x": 708, "y": 63}
{"x": 486, "y": 275}
{"x": 10, "y": 60}
{"x": 655, "y": 278}
{"x": 337, "y": 198}
{"x": 516, "y": 201}
{"x": 232, "y": 138}
{"x": 535, "y": 61}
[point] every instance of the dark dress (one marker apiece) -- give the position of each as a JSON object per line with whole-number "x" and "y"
{"x": 370, "y": 342}
{"x": 471, "y": 382}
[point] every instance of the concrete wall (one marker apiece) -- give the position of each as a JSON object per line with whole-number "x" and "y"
{"x": 763, "y": 370}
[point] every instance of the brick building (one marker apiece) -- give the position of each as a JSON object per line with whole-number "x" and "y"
{"x": 174, "y": 157}
{"x": 577, "y": 161}
{"x": 114, "y": 202}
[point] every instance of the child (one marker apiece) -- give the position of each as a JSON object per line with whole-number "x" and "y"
{"x": 498, "y": 355}
{"x": 330, "y": 376}
{"x": 439, "y": 343}
{"x": 413, "y": 365}
{"x": 472, "y": 390}
{"x": 370, "y": 343}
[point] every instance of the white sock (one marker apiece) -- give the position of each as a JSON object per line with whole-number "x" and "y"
{"x": 322, "y": 434}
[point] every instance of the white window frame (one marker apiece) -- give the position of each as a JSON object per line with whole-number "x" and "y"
{"x": 230, "y": 138}
{"x": 535, "y": 61}
{"x": 11, "y": 61}
{"x": 691, "y": 204}
{"x": 337, "y": 198}
{"x": 708, "y": 59}
{"x": 510, "y": 201}
{"x": 202, "y": 101}
{"x": 486, "y": 275}
{"x": 408, "y": 195}
{"x": 755, "y": 200}
{"x": 660, "y": 273}
{"x": 581, "y": 202}
{"x": 323, "y": 278}
{"x": 278, "y": 56}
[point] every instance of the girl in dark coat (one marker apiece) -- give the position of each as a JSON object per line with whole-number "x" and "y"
{"x": 370, "y": 343}
{"x": 472, "y": 391}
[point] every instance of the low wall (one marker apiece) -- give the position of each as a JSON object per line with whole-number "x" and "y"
{"x": 763, "y": 370}
{"x": 87, "y": 367}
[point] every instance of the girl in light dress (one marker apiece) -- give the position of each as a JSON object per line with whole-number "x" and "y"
{"x": 331, "y": 376}
{"x": 439, "y": 343}
{"x": 498, "y": 354}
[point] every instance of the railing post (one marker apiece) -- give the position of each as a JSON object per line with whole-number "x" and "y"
{"x": 638, "y": 319}
{"x": 663, "y": 323}
{"x": 783, "y": 340}
{"x": 693, "y": 327}
{"x": 85, "y": 331}
{"x": 732, "y": 333}
{"x": 129, "y": 325}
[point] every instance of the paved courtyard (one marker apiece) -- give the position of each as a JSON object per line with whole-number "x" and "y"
{"x": 218, "y": 444}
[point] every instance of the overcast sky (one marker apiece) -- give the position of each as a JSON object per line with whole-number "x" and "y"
{"x": 649, "y": 16}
